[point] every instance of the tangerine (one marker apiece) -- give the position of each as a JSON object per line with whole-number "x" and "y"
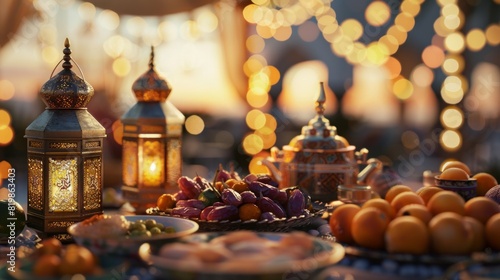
{"x": 381, "y": 204}
{"x": 47, "y": 265}
{"x": 249, "y": 211}
{"x": 456, "y": 164}
{"x": 395, "y": 190}
{"x": 485, "y": 182}
{"x": 478, "y": 240}
{"x": 492, "y": 229}
{"x": 368, "y": 227}
{"x": 454, "y": 173}
{"x": 165, "y": 201}
{"x": 407, "y": 234}
{"x": 446, "y": 201}
{"x": 481, "y": 208}
{"x": 450, "y": 234}
{"x": 341, "y": 220}
{"x": 416, "y": 210}
{"x": 240, "y": 186}
{"x": 427, "y": 192}
{"x": 406, "y": 198}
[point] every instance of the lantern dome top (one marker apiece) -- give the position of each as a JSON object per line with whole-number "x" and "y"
{"x": 66, "y": 90}
{"x": 150, "y": 87}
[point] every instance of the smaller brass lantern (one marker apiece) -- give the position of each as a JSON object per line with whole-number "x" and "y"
{"x": 152, "y": 131}
{"x": 65, "y": 143}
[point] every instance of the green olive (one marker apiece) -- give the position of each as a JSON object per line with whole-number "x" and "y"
{"x": 155, "y": 231}
{"x": 150, "y": 223}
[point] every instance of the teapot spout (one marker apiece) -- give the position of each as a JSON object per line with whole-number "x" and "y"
{"x": 275, "y": 172}
{"x": 374, "y": 166}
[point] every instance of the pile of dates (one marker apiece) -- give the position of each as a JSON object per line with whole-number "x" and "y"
{"x": 231, "y": 198}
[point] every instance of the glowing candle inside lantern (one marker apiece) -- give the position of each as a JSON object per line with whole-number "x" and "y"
{"x": 153, "y": 175}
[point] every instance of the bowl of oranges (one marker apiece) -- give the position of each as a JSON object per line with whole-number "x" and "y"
{"x": 455, "y": 176}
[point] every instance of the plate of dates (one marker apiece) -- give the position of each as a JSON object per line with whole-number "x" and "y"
{"x": 253, "y": 202}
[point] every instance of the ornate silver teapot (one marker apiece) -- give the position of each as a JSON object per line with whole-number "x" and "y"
{"x": 319, "y": 160}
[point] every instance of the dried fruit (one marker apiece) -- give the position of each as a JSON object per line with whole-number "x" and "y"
{"x": 222, "y": 213}
{"x": 296, "y": 203}
{"x": 231, "y": 197}
{"x": 268, "y": 205}
{"x": 186, "y": 212}
{"x": 189, "y": 187}
{"x": 195, "y": 203}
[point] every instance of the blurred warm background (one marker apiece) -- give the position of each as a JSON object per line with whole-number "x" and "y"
{"x": 415, "y": 82}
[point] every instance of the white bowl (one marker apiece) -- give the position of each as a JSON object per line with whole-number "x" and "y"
{"x": 326, "y": 253}
{"x": 124, "y": 245}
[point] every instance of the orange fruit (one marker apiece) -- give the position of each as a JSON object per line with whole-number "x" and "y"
{"x": 492, "y": 229}
{"x": 479, "y": 238}
{"x": 454, "y": 173}
{"x": 47, "y": 265}
{"x": 381, "y": 204}
{"x": 249, "y": 211}
{"x": 450, "y": 234}
{"x": 407, "y": 234}
{"x": 395, "y": 190}
{"x": 51, "y": 246}
{"x": 368, "y": 228}
{"x": 416, "y": 210}
{"x": 446, "y": 201}
{"x": 456, "y": 164}
{"x": 240, "y": 186}
{"x": 341, "y": 220}
{"x": 427, "y": 192}
{"x": 485, "y": 182}
{"x": 481, "y": 208}
{"x": 165, "y": 201}
{"x": 406, "y": 198}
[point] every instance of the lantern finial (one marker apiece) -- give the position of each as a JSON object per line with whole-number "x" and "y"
{"x": 150, "y": 87}
{"x": 152, "y": 59}
{"x": 67, "y": 57}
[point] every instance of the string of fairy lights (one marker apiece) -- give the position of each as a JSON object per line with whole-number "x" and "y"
{"x": 273, "y": 19}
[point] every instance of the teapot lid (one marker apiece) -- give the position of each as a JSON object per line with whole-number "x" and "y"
{"x": 318, "y": 134}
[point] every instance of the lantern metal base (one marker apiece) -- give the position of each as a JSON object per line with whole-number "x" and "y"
{"x": 54, "y": 226}
{"x": 142, "y": 199}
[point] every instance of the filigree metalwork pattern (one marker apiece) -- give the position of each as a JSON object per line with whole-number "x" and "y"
{"x": 92, "y": 184}
{"x": 63, "y": 145}
{"x": 63, "y": 185}
{"x": 35, "y": 183}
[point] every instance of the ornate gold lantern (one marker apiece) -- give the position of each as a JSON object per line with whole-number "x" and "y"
{"x": 152, "y": 131}
{"x": 65, "y": 168}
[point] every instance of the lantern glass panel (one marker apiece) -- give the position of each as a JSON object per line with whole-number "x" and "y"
{"x": 63, "y": 185}
{"x": 173, "y": 162}
{"x": 92, "y": 183}
{"x": 35, "y": 183}
{"x": 129, "y": 162}
{"x": 153, "y": 162}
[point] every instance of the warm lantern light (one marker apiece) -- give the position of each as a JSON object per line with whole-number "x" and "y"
{"x": 65, "y": 168}
{"x": 152, "y": 131}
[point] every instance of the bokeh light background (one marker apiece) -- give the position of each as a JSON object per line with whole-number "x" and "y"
{"x": 415, "y": 82}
